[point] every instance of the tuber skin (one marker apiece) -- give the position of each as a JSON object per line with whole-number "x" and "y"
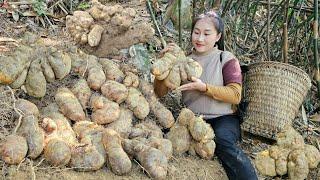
{"x": 290, "y": 138}
{"x": 131, "y": 80}
{"x": 69, "y": 104}
{"x": 175, "y": 68}
{"x": 35, "y": 81}
{"x": 118, "y": 160}
{"x": 112, "y": 70}
{"x": 180, "y": 137}
{"x": 34, "y": 135}
{"x": 297, "y": 165}
{"x": 96, "y": 77}
{"x": 163, "y": 115}
{"x": 114, "y": 91}
{"x": 82, "y": 91}
{"x": 200, "y": 130}
{"x": 59, "y": 136}
{"x": 123, "y": 124}
{"x": 146, "y": 129}
{"x": 265, "y": 164}
{"x": 153, "y": 160}
{"x": 86, "y": 158}
{"x": 13, "y": 149}
{"x": 94, "y": 35}
{"x": 104, "y": 110}
{"x": 57, "y": 152}
{"x": 137, "y": 103}
{"x": 27, "y": 108}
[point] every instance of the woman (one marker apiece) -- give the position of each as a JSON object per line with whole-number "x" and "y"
{"x": 215, "y": 93}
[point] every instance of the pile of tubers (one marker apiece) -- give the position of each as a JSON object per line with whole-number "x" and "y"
{"x": 107, "y": 29}
{"x": 290, "y": 155}
{"x": 33, "y": 66}
{"x": 100, "y": 119}
{"x": 192, "y": 134}
{"x": 175, "y": 68}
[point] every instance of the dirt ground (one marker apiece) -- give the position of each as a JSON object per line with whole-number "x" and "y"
{"x": 179, "y": 168}
{"x": 183, "y": 167}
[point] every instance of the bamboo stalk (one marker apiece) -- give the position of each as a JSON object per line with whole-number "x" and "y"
{"x": 295, "y": 6}
{"x": 226, "y": 8}
{"x": 304, "y": 8}
{"x": 315, "y": 43}
{"x": 295, "y": 57}
{"x": 248, "y": 7}
{"x": 285, "y": 32}
{"x": 274, "y": 13}
{"x": 163, "y": 42}
{"x": 255, "y": 5}
{"x": 180, "y": 23}
{"x": 268, "y": 31}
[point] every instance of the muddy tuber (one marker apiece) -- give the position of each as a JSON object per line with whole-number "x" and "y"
{"x": 137, "y": 103}
{"x": 13, "y": 149}
{"x": 163, "y": 115}
{"x": 114, "y": 91}
{"x": 69, "y": 104}
{"x": 118, "y": 160}
{"x": 175, "y": 68}
{"x": 104, "y": 110}
{"x": 153, "y": 160}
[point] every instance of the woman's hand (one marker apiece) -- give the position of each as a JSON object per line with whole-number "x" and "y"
{"x": 196, "y": 84}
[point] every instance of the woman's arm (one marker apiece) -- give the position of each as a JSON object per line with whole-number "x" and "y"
{"x": 231, "y": 93}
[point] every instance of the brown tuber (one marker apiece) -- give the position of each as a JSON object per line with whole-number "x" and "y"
{"x": 118, "y": 160}
{"x": 104, "y": 110}
{"x": 123, "y": 124}
{"x": 34, "y": 135}
{"x": 265, "y": 164}
{"x": 137, "y": 103}
{"x": 114, "y": 91}
{"x": 153, "y": 160}
{"x": 69, "y": 104}
{"x": 82, "y": 91}
{"x": 175, "y": 68}
{"x": 13, "y": 149}
{"x": 163, "y": 115}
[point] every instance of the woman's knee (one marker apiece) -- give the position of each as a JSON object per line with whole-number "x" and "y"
{"x": 225, "y": 137}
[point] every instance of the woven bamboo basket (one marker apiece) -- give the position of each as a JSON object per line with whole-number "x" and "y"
{"x": 274, "y": 92}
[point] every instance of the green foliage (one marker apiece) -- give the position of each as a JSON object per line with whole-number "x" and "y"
{"x": 40, "y": 7}
{"x": 141, "y": 58}
{"x": 83, "y": 6}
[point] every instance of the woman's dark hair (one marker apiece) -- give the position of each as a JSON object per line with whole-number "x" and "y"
{"x": 217, "y": 22}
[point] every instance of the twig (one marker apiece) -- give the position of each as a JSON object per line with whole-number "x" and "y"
{"x": 180, "y": 23}
{"x": 18, "y": 111}
{"x": 305, "y": 8}
{"x": 20, "y": 164}
{"x": 268, "y": 31}
{"x": 260, "y": 44}
{"x": 39, "y": 162}
{"x": 32, "y": 170}
{"x": 85, "y": 70}
{"x": 285, "y": 32}
{"x": 163, "y": 42}
{"x": 142, "y": 167}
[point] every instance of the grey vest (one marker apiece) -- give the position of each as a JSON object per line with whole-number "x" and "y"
{"x": 199, "y": 102}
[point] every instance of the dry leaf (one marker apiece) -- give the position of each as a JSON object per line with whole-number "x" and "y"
{"x": 315, "y": 118}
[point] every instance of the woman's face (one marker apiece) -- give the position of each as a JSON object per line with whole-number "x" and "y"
{"x": 204, "y": 35}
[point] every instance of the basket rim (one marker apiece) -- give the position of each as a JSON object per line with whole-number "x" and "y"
{"x": 280, "y": 64}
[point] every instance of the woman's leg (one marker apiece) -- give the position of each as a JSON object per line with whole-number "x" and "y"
{"x": 236, "y": 164}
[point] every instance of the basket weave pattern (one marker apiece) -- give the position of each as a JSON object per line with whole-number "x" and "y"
{"x": 274, "y": 91}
